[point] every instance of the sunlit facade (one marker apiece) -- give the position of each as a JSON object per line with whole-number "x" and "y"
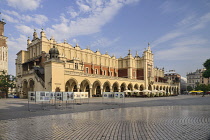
{"x": 50, "y": 66}
{"x": 3, "y": 49}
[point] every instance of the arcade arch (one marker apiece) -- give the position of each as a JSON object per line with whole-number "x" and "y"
{"x": 123, "y": 87}
{"x": 106, "y": 86}
{"x": 115, "y": 87}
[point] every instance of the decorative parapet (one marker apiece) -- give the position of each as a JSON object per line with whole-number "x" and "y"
{"x": 28, "y": 72}
{"x": 165, "y": 84}
{"x": 101, "y": 76}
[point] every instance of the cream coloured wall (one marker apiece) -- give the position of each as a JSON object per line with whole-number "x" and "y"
{"x": 58, "y": 73}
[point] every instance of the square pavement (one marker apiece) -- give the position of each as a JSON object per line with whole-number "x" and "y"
{"x": 183, "y": 117}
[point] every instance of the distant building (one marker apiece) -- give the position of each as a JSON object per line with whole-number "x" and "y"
{"x": 50, "y": 66}
{"x": 196, "y": 77}
{"x": 183, "y": 85}
{"x": 3, "y": 49}
{"x": 172, "y": 77}
{"x": 203, "y": 80}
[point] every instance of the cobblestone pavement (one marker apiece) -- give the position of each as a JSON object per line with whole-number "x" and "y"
{"x": 167, "y": 118}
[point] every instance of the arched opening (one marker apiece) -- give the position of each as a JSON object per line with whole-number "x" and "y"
{"x": 141, "y": 89}
{"x": 71, "y": 85}
{"x": 123, "y": 87}
{"x": 57, "y": 89}
{"x": 136, "y": 87}
{"x": 150, "y": 87}
{"x": 172, "y": 90}
{"x": 85, "y": 87}
{"x": 97, "y": 89}
{"x": 106, "y": 87}
{"x": 75, "y": 88}
{"x": 166, "y": 89}
{"x": 115, "y": 87}
{"x": 130, "y": 87}
{"x": 31, "y": 85}
{"x": 25, "y": 89}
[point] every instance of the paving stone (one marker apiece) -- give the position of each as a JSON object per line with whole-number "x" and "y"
{"x": 181, "y": 117}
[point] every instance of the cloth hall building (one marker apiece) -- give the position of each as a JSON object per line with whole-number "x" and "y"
{"x": 3, "y": 49}
{"x": 50, "y": 66}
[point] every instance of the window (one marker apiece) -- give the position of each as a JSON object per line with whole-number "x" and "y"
{"x": 96, "y": 71}
{"x": 86, "y": 70}
{"x": 110, "y": 73}
{"x": 76, "y": 65}
{"x": 134, "y": 75}
{"x": 104, "y": 72}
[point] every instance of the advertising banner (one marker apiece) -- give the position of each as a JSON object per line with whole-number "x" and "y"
{"x": 119, "y": 95}
{"x": 68, "y": 96}
{"x": 77, "y": 95}
{"x": 83, "y": 95}
{"x": 58, "y": 96}
{"x": 52, "y": 95}
{"x": 42, "y": 96}
{"x": 32, "y": 96}
{"x": 108, "y": 94}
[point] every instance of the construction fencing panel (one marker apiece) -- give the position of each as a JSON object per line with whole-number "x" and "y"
{"x": 113, "y": 95}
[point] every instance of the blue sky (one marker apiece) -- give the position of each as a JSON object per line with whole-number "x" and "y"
{"x": 178, "y": 30}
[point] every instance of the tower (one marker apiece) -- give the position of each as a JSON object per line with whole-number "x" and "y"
{"x": 148, "y": 67}
{"x": 3, "y": 49}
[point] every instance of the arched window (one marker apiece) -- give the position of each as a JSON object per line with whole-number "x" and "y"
{"x": 96, "y": 71}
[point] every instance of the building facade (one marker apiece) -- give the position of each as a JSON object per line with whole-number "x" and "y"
{"x": 50, "y": 66}
{"x": 3, "y": 49}
{"x": 172, "y": 77}
{"x": 195, "y": 78}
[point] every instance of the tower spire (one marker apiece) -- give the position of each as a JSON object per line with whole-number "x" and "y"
{"x": 149, "y": 49}
{"x": 129, "y": 52}
{"x": 35, "y": 35}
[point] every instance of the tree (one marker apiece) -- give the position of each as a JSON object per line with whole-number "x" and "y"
{"x": 189, "y": 88}
{"x": 206, "y": 64}
{"x": 203, "y": 87}
{"x": 206, "y": 73}
{"x": 6, "y": 82}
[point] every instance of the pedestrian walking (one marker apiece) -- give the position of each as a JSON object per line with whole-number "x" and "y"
{"x": 203, "y": 94}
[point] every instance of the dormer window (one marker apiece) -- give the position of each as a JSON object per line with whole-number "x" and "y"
{"x": 76, "y": 66}
{"x": 86, "y": 70}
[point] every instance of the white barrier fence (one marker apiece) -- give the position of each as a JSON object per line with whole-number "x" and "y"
{"x": 41, "y": 96}
{"x": 57, "y": 98}
{"x": 113, "y": 95}
{"x": 45, "y": 96}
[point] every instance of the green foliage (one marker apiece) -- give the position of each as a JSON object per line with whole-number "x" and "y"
{"x": 189, "y": 88}
{"x": 203, "y": 87}
{"x": 152, "y": 94}
{"x": 206, "y": 73}
{"x": 207, "y": 64}
{"x": 160, "y": 94}
{"x": 6, "y": 82}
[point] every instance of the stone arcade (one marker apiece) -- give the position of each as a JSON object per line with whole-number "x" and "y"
{"x": 50, "y": 66}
